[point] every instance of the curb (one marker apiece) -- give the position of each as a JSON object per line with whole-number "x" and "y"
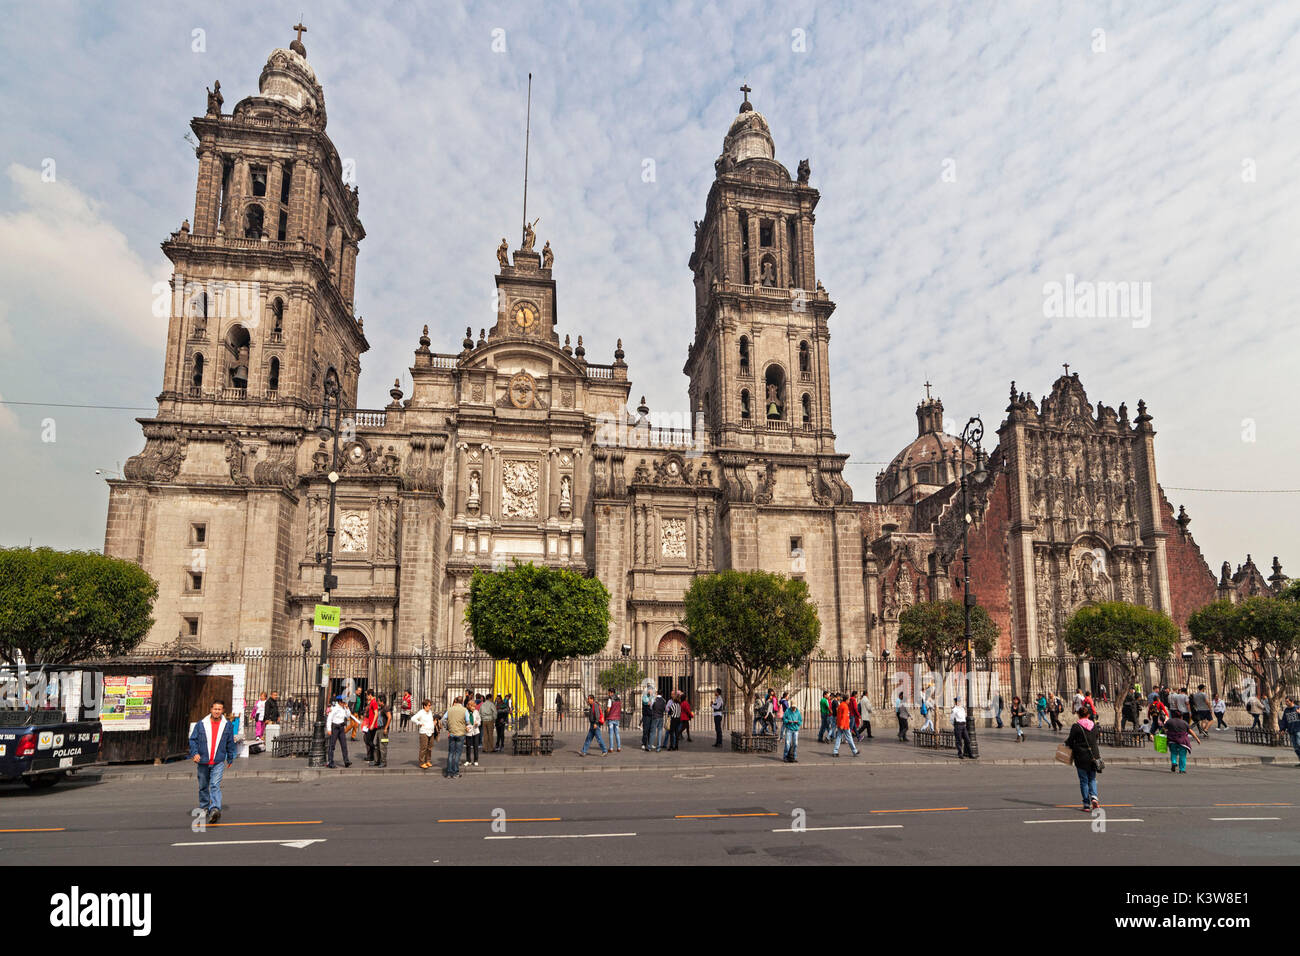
{"x": 298, "y": 775}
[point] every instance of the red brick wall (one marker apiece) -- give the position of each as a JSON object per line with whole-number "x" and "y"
{"x": 1191, "y": 583}
{"x": 990, "y": 563}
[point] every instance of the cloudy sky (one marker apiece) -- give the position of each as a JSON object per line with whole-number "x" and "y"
{"x": 966, "y": 160}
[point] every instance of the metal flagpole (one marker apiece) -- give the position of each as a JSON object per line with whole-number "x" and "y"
{"x": 528, "y": 124}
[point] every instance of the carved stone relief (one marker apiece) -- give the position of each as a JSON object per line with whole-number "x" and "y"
{"x": 519, "y": 484}
{"x": 354, "y": 531}
{"x": 672, "y": 532}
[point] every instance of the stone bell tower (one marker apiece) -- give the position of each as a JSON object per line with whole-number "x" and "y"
{"x": 758, "y": 366}
{"x": 263, "y": 282}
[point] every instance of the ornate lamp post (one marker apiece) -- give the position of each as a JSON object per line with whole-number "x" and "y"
{"x": 316, "y": 756}
{"x": 973, "y": 433}
{"x": 306, "y": 680}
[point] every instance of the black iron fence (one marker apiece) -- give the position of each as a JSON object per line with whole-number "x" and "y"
{"x": 440, "y": 676}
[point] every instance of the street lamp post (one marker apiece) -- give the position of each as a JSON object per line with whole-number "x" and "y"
{"x": 973, "y": 433}
{"x": 316, "y": 756}
{"x": 306, "y": 679}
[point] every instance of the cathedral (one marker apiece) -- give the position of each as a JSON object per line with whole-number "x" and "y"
{"x": 519, "y": 446}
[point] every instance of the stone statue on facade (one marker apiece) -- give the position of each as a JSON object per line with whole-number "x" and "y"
{"x": 548, "y": 257}
{"x": 566, "y": 494}
{"x": 530, "y": 235}
{"x": 215, "y": 99}
{"x": 503, "y": 253}
{"x": 804, "y": 172}
{"x": 769, "y": 273}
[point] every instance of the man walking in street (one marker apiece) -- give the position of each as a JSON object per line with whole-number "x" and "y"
{"x": 900, "y": 708}
{"x": 1219, "y": 708}
{"x": 337, "y": 724}
{"x": 865, "y": 708}
{"x": 824, "y": 707}
{"x": 595, "y": 720}
{"x": 423, "y": 720}
{"x": 488, "y": 711}
{"x": 843, "y": 733}
{"x": 960, "y": 731}
{"x": 673, "y": 712}
{"x": 791, "y": 721}
{"x": 719, "y": 706}
{"x": 647, "y": 719}
{"x": 272, "y": 714}
{"x": 1201, "y": 712}
{"x": 657, "y": 710}
{"x": 503, "y": 720}
{"x": 383, "y": 723}
{"x": 368, "y": 728}
{"x": 456, "y": 724}
{"x": 212, "y": 748}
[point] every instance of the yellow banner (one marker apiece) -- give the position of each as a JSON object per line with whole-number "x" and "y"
{"x": 505, "y": 680}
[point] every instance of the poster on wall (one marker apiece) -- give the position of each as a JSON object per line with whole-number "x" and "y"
{"x": 128, "y": 702}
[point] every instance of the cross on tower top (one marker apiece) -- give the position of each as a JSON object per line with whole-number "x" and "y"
{"x": 1067, "y": 367}
{"x": 746, "y": 106}
{"x": 927, "y": 389}
{"x": 296, "y": 46}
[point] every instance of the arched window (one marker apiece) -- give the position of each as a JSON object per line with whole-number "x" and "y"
{"x": 805, "y": 359}
{"x": 774, "y": 397}
{"x": 277, "y": 320}
{"x": 744, "y": 354}
{"x": 196, "y": 380}
{"x": 744, "y": 404}
{"x": 253, "y": 222}
{"x": 807, "y": 409}
{"x": 273, "y": 382}
{"x": 237, "y": 349}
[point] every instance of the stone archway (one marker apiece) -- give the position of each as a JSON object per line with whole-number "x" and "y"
{"x": 673, "y": 644}
{"x": 349, "y": 662}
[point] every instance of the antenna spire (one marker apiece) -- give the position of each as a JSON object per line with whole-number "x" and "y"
{"x": 528, "y": 127}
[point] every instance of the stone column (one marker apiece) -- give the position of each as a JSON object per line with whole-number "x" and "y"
{"x": 637, "y": 539}
{"x": 778, "y": 244}
{"x": 234, "y": 218}
{"x": 274, "y": 180}
{"x": 755, "y": 253}
{"x": 207, "y": 198}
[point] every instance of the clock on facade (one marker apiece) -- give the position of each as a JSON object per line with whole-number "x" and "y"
{"x": 524, "y": 317}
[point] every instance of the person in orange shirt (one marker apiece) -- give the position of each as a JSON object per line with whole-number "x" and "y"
{"x": 842, "y": 731}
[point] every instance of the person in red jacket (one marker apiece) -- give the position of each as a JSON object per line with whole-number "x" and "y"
{"x": 686, "y": 719}
{"x": 855, "y": 715}
{"x": 613, "y": 715}
{"x": 842, "y": 729}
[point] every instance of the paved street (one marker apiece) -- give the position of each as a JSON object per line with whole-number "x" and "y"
{"x": 852, "y": 811}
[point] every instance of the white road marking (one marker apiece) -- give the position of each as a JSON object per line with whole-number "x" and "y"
{"x": 1088, "y": 819}
{"x": 883, "y": 826}
{"x": 557, "y": 836}
{"x": 298, "y": 844}
{"x": 1220, "y": 819}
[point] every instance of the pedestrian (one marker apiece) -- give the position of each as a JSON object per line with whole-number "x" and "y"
{"x": 1083, "y": 744}
{"x": 424, "y": 721}
{"x": 842, "y": 731}
{"x": 1202, "y": 713}
{"x": 1078, "y": 700}
{"x": 1102, "y": 689}
{"x": 998, "y": 716}
{"x": 502, "y": 721}
{"x": 473, "y": 732}
{"x": 260, "y": 716}
{"x": 673, "y": 712}
{"x": 1180, "y": 736}
{"x": 658, "y": 708}
{"x": 595, "y": 726}
{"x": 760, "y": 715}
{"x": 488, "y": 711}
{"x": 1256, "y": 711}
{"x": 456, "y": 727}
{"x": 272, "y": 714}
{"x": 1128, "y": 710}
{"x": 368, "y": 727}
{"x": 960, "y": 732}
{"x": 825, "y": 708}
{"x": 1157, "y": 714}
{"x": 383, "y": 724}
{"x": 719, "y": 708}
{"x": 212, "y": 748}
{"x": 337, "y": 723}
{"x": 900, "y": 708}
{"x": 559, "y": 706}
{"x": 1018, "y": 718}
{"x": 865, "y": 708}
{"x": 647, "y": 718}
{"x": 1041, "y": 705}
{"x": 791, "y": 721}
{"x": 613, "y": 716}
{"x": 1219, "y": 708}
{"x": 855, "y": 714}
{"x": 407, "y": 704}
{"x": 1290, "y": 722}
{"x": 1054, "y": 710}
{"x": 927, "y": 710}
{"x": 687, "y": 714}
{"x": 1090, "y": 706}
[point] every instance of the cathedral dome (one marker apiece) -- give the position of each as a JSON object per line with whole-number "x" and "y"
{"x": 929, "y": 462}
{"x": 289, "y": 79}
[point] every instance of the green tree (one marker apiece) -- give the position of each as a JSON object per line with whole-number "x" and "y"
{"x": 537, "y": 616}
{"x": 935, "y": 631}
{"x": 1260, "y": 636}
{"x": 58, "y": 607}
{"x": 621, "y": 676}
{"x": 754, "y": 622}
{"x": 1125, "y": 635}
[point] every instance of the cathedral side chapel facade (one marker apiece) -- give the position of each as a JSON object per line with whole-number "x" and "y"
{"x": 519, "y": 447}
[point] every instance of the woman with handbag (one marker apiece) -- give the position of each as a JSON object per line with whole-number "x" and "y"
{"x": 1084, "y": 748}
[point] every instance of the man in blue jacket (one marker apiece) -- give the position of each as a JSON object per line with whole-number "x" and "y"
{"x": 212, "y": 748}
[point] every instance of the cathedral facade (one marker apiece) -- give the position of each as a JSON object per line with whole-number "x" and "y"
{"x": 518, "y": 446}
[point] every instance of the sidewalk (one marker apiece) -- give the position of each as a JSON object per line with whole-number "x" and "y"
{"x": 997, "y": 747}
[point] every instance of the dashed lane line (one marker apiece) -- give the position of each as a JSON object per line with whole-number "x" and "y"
{"x": 1225, "y": 819}
{"x": 1088, "y": 819}
{"x": 882, "y": 826}
{"x": 557, "y": 836}
{"x": 506, "y": 820}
